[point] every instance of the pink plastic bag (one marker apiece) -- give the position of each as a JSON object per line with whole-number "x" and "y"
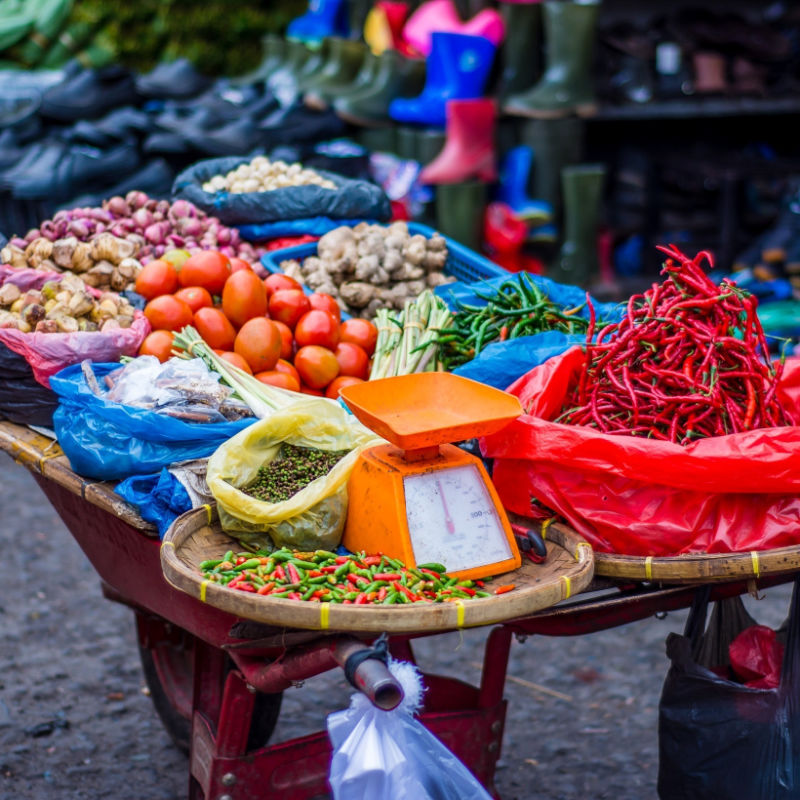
{"x": 756, "y": 657}
{"x": 47, "y": 353}
{"x": 643, "y": 497}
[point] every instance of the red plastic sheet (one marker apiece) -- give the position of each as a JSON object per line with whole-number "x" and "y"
{"x": 756, "y": 657}
{"x": 643, "y": 497}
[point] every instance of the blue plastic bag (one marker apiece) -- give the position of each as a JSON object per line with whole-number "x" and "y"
{"x": 161, "y": 498}
{"x": 501, "y": 363}
{"x": 312, "y": 226}
{"x": 110, "y": 441}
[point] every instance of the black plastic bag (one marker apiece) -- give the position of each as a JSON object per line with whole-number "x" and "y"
{"x": 351, "y": 199}
{"x": 720, "y": 740}
{"x": 22, "y": 398}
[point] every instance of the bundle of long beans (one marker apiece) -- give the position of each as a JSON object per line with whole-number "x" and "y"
{"x": 407, "y": 339}
{"x": 689, "y": 360}
{"x": 516, "y": 308}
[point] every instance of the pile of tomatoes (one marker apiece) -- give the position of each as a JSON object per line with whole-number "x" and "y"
{"x": 269, "y": 328}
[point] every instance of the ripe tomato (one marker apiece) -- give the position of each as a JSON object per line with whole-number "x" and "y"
{"x": 244, "y": 297}
{"x": 361, "y": 332}
{"x": 278, "y": 281}
{"x": 235, "y": 359}
{"x": 196, "y": 297}
{"x": 317, "y": 366}
{"x": 338, "y": 383}
{"x": 259, "y": 343}
{"x": 308, "y": 390}
{"x": 288, "y": 305}
{"x": 287, "y": 340}
{"x": 167, "y": 313}
{"x": 208, "y": 269}
{"x": 285, "y": 367}
{"x": 158, "y": 344}
{"x": 157, "y": 278}
{"x": 282, "y": 379}
{"x": 317, "y": 327}
{"x": 215, "y": 328}
{"x": 352, "y": 360}
{"x": 325, "y": 302}
{"x": 238, "y": 264}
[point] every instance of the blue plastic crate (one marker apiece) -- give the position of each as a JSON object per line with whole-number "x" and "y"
{"x": 462, "y": 263}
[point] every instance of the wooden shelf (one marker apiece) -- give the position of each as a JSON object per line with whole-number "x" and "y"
{"x": 684, "y": 108}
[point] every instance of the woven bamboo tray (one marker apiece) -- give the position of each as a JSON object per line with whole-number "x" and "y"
{"x": 197, "y": 536}
{"x": 44, "y": 457}
{"x": 693, "y": 568}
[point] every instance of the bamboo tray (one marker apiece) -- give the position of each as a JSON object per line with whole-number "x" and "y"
{"x": 692, "y": 568}
{"x": 44, "y": 457}
{"x": 197, "y": 536}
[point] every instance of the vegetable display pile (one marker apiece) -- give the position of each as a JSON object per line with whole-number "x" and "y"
{"x": 263, "y": 175}
{"x": 154, "y": 227}
{"x": 373, "y": 266}
{"x": 407, "y": 340}
{"x": 269, "y": 328}
{"x": 516, "y": 308}
{"x": 62, "y": 306}
{"x": 685, "y": 363}
{"x": 292, "y": 470}
{"x": 324, "y": 577}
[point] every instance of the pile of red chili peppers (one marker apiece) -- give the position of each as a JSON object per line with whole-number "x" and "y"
{"x": 675, "y": 368}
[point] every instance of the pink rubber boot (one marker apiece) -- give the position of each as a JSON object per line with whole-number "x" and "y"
{"x": 440, "y": 16}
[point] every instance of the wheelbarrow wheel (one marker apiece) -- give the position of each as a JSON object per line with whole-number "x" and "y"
{"x": 168, "y": 675}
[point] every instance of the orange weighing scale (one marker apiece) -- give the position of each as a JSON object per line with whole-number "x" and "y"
{"x": 419, "y": 498}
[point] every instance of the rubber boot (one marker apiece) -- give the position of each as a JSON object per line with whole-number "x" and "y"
{"x": 459, "y": 212}
{"x": 441, "y": 16}
{"x": 428, "y": 143}
{"x": 469, "y": 148}
{"x": 513, "y": 191}
{"x": 383, "y": 29}
{"x": 323, "y": 18}
{"x": 357, "y": 12}
{"x": 394, "y": 75}
{"x": 577, "y": 261}
{"x": 566, "y": 86}
{"x": 556, "y": 143}
{"x": 275, "y": 54}
{"x": 457, "y": 69}
{"x": 315, "y": 61}
{"x": 340, "y": 69}
{"x": 521, "y": 48}
{"x": 322, "y": 97}
{"x": 382, "y": 140}
{"x": 504, "y": 235}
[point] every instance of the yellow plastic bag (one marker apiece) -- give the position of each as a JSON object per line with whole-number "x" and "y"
{"x": 314, "y": 517}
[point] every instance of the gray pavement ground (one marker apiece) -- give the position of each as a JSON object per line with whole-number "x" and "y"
{"x": 76, "y": 722}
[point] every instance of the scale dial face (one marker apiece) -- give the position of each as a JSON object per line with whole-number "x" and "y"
{"x": 452, "y": 519}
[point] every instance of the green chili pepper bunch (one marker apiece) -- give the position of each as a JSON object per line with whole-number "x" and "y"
{"x": 517, "y": 308}
{"x": 292, "y": 470}
{"x": 324, "y": 577}
{"x": 689, "y": 360}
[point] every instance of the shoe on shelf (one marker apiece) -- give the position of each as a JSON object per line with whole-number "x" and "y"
{"x": 513, "y": 189}
{"x": 441, "y": 16}
{"x": 457, "y": 68}
{"x": 89, "y": 95}
{"x": 323, "y": 18}
{"x": 176, "y": 80}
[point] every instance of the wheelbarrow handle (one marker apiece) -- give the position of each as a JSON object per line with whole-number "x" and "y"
{"x": 371, "y": 676}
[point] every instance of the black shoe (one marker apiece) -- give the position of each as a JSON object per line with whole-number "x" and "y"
{"x": 299, "y": 124}
{"x": 174, "y": 80}
{"x": 119, "y": 125}
{"x": 89, "y": 95}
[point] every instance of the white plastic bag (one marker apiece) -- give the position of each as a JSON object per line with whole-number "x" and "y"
{"x": 390, "y": 754}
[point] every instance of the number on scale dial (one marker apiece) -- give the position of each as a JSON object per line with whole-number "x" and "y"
{"x": 452, "y": 519}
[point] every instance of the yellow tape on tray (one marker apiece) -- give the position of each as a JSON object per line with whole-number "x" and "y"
{"x": 648, "y": 568}
{"x": 324, "y": 616}
{"x": 459, "y": 613}
{"x": 754, "y": 559}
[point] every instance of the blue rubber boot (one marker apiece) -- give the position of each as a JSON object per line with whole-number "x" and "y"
{"x": 323, "y": 18}
{"x": 514, "y": 176}
{"x": 456, "y": 69}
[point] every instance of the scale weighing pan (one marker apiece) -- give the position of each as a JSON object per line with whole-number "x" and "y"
{"x": 430, "y": 408}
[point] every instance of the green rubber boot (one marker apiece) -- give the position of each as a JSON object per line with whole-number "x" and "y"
{"x": 428, "y": 143}
{"x": 357, "y": 15}
{"x": 521, "y": 47}
{"x": 566, "y": 86}
{"x": 459, "y": 211}
{"x": 381, "y": 140}
{"x": 556, "y": 143}
{"x": 577, "y": 260}
{"x": 341, "y": 67}
{"x": 324, "y": 97}
{"x": 275, "y": 55}
{"x": 315, "y": 62}
{"x": 396, "y": 76}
